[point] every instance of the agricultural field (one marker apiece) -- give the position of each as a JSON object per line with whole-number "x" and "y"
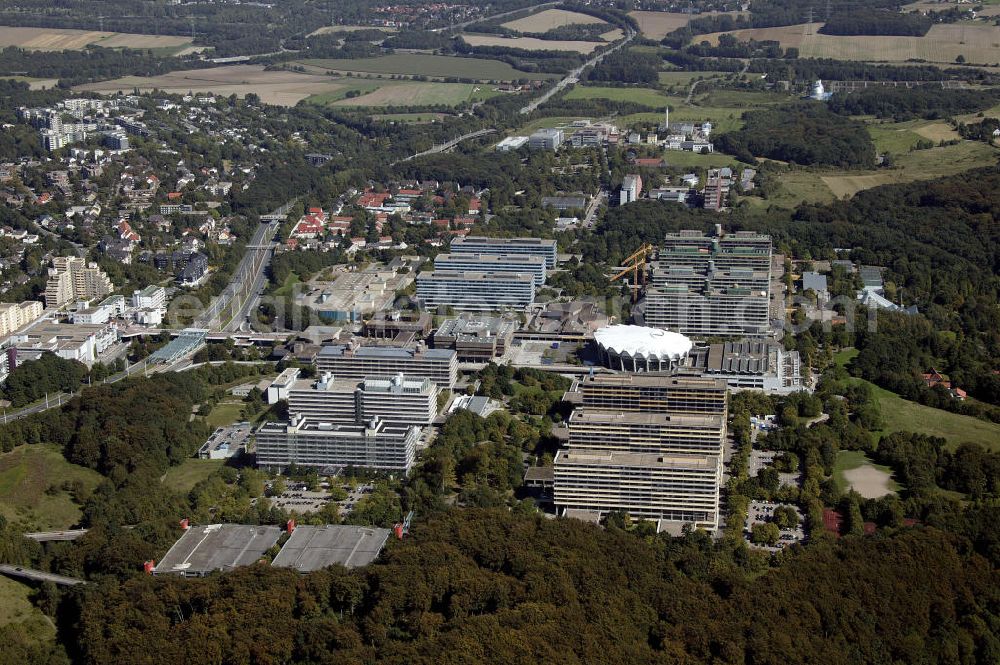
{"x": 417, "y": 64}
{"x": 646, "y": 96}
{"x": 31, "y": 487}
{"x": 530, "y": 43}
{"x": 657, "y": 25}
{"x": 34, "y": 83}
{"x": 283, "y": 88}
{"x": 978, "y": 44}
{"x": 59, "y": 39}
{"x": 612, "y": 35}
{"x": 413, "y": 93}
{"x": 549, "y": 19}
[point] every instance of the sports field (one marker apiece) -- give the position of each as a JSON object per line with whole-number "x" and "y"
{"x": 943, "y": 43}
{"x": 530, "y": 43}
{"x": 418, "y": 64}
{"x": 854, "y": 471}
{"x": 550, "y": 19}
{"x": 31, "y": 487}
{"x": 59, "y": 39}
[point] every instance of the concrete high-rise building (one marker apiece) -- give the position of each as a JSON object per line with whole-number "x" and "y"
{"x": 72, "y": 278}
{"x": 513, "y": 263}
{"x": 678, "y": 488}
{"x": 658, "y": 433}
{"x": 375, "y": 444}
{"x": 543, "y": 247}
{"x": 14, "y": 316}
{"x": 476, "y": 291}
{"x": 399, "y": 400}
{"x": 712, "y": 286}
{"x": 363, "y": 362}
{"x": 650, "y": 393}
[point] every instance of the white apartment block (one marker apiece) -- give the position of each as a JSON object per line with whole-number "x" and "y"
{"x": 72, "y": 278}
{"x": 14, "y": 316}
{"x": 151, "y": 297}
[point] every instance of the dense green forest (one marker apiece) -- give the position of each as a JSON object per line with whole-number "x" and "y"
{"x": 479, "y": 586}
{"x": 791, "y": 133}
{"x": 900, "y": 104}
{"x": 33, "y": 379}
{"x": 876, "y": 22}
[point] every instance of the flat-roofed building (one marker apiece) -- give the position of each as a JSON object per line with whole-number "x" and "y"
{"x": 376, "y": 445}
{"x": 280, "y": 387}
{"x": 660, "y": 433}
{"x": 476, "y": 291}
{"x": 312, "y": 548}
{"x": 475, "y": 338}
{"x": 650, "y": 393}
{"x": 683, "y": 488}
{"x": 217, "y": 547}
{"x": 81, "y": 342}
{"x": 544, "y": 247}
{"x": 72, "y": 278}
{"x": 709, "y": 311}
{"x": 399, "y": 400}
{"x": 360, "y": 362}
{"x": 513, "y": 263}
{"x": 546, "y": 139}
{"x": 749, "y": 365}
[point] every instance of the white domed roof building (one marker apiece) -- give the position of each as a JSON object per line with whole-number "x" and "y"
{"x": 640, "y": 349}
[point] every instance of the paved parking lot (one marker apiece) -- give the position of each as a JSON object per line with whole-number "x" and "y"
{"x": 762, "y": 511}
{"x": 303, "y": 501}
{"x": 353, "y": 496}
{"x": 761, "y": 459}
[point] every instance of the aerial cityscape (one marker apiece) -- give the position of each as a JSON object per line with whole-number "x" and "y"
{"x": 584, "y": 332}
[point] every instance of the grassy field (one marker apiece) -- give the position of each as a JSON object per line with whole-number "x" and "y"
{"x": 900, "y": 415}
{"x": 943, "y": 43}
{"x": 684, "y": 77}
{"x": 327, "y": 29}
{"x": 657, "y": 25}
{"x": 225, "y": 413}
{"x": 530, "y": 43}
{"x": 893, "y": 138}
{"x": 26, "y": 476}
{"x": 848, "y": 460}
{"x": 59, "y": 39}
{"x": 413, "y": 93}
{"x": 413, "y": 118}
{"x": 183, "y": 477}
{"x": 551, "y": 18}
{"x": 16, "y": 608}
{"x": 416, "y": 64}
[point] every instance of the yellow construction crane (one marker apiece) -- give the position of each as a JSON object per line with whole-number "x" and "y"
{"x": 636, "y": 264}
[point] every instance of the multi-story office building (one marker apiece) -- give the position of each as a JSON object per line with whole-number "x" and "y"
{"x": 546, "y": 139}
{"x": 721, "y": 278}
{"x": 650, "y": 393}
{"x": 476, "y": 291}
{"x": 361, "y": 362}
{"x": 475, "y": 338}
{"x": 398, "y": 400}
{"x": 658, "y": 433}
{"x": 151, "y": 297}
{"x": 742, "y": 249}
{"x": 543, "y": 247}
{"x": 13, "y": 316}
{"x": 681, "y": 488}
{"x": 513, "y": 263}
{"x": 375, "y": 444}
{"x": 72, "y": 278}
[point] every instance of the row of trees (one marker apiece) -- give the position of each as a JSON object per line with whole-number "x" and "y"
{"x": 900, "y": 104}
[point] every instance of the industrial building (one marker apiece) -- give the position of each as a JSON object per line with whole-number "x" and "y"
{"x": 375, "y": 444}
{"x": 399, "y": 400}
{"x": 476, "y": 291}
{"x": 360, "y": 362}
{"x": 512, "y": 263}
{"x": 476, "y": 339}
{"x": 543, "y": 247}
{"x": 72, "y": 278}
{"x": 676, "y": 488}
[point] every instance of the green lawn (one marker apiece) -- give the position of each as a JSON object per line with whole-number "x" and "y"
{"x": 183, "y": 477}
{"x": 16, "y": 608}
{"x": 844, "y": 356}
{"x": 380, "y": 93}
{"x": 418, "y": 64}
{"x": 853, "y": 459}
{"x": 225, "y": 413}
{"x": 31, "y": 494}
{"x": 684, "y": 77}
{"x": 893, "y": 138}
